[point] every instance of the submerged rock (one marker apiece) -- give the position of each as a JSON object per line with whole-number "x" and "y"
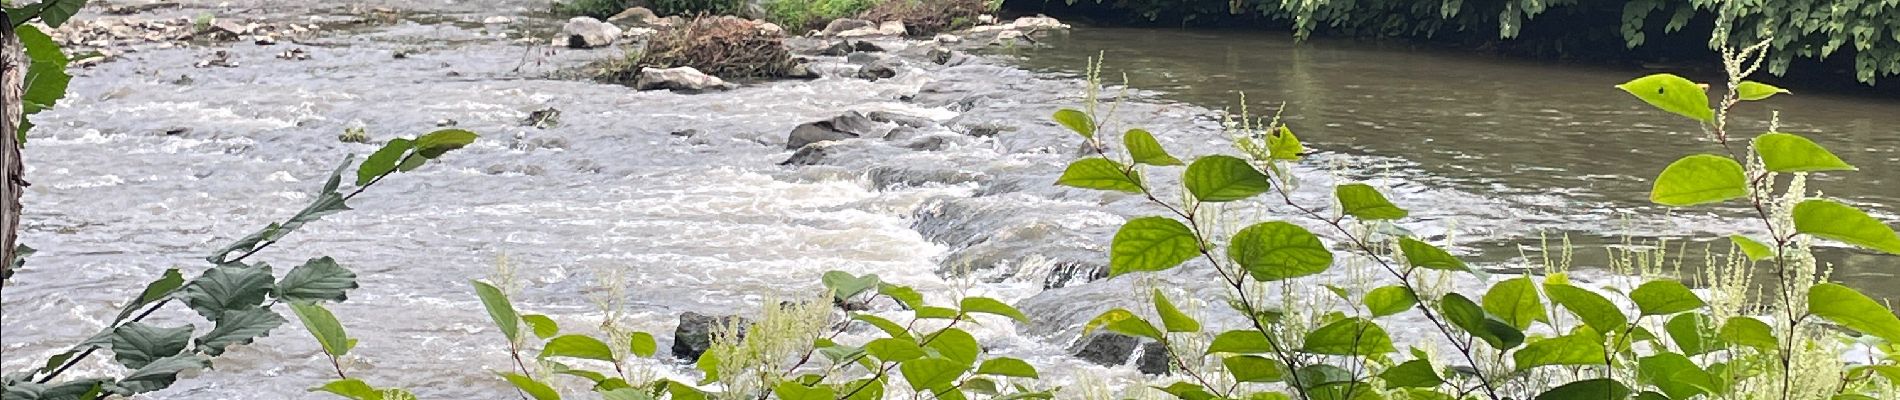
{"x": 587, "y": 33}
{"x": 881, "y": 68}
{"x": 842, "y": 25}
{"x": 1154, "y": 359}
{"x": 679, "y": 79}
{"x": 639, "y": 15}
{"x": 1108, "y": 349}
{"x": 695, "y": 333}
{"x": 850, "y": 125}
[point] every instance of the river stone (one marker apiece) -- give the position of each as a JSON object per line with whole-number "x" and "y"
{"x": 695, "y": 333}
{"x": 1154, "y": 359}
{"x": 1108, "y": 349}
{"x": 587, "y": 33}
{"x": 684, "y": 79}
{"x": 841, "y": 25}
{"x": 905, "y": 120}
{"x": 850, "y": 125}
{"x": 639, "y": 15}
{"x": 881, "y": 68}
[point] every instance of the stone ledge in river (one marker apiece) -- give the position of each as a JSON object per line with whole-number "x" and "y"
{"x": 587, "y": 33}
{"x": 695, "y": 333}
{"x": 685, "y": 79}
{"x": 851, "y": 124}
{"x": 1107, "y": 348}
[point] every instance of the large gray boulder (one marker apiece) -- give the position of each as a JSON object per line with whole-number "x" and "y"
{"x": 842, "y": 25}
{"x": 850, "y": 125}
{"x": 1107, "y": 349}
{"x": 587, "y": 33}
{"x": 685, "y": 79}
{"x": 1154, "y": 359}
{"x": 695, "y": 333}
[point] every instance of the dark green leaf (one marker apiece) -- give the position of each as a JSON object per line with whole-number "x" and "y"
{"x": 1782, "y": 152}
{"x": 1351, "y": 336}
{"x": 434, "y": 144}
{"x": 1277, "y": 250}
{"x": 578, "y": 346}
{"x": 1573, "y": 349}
{"x": 1390, "y": 300}
{"x": 1240, "y": 342}
{"x": 1664, "y": 297}
{"x": 1172, "y": 318}
{"x": 1254, "y": 369}
{"x": 889, "y": 328}
{"x": 499, "y": 309}
{"x": 1414, "y": 373}
{"x": 238, "y": 327}
{"x": 956, "y": 345}
{"x": 1831, "y": 220}
{"x": 1846, "y": 306}
{"x": 1597, "y": 312}
{"x": 53, "y": 12}
{"x": 844, "y": 286}
{"x": 383, "y": 161}
{"x": 1316, "y": 375}
{"x": 46, "y": 79}
{"x": 1694, "y": 334}
{"x": 894, "y": 350}
{"x": 1005, "y": 366}
{"x": 319, "y": 279}
{"x": 1673, "y": 94}
{"x": 629, "y": 393}
{"x": 1123, "y": 322}
{"x": 931, "y": 373}
{"x": 536, "y": 389}
{"x": 1425, "y": 255}
{"x": 1076, "y": 121}
{"x": 324, "y": 327}
{"x": 1516, "y": 302}
{"x": 1151, "y": 244}
{"x": 902, "y": 294}
{"x": 1100, "y": 174}
{"x": 1748, "y": 331}
{"x": 166, "y": 284}
{"x": 987, "y": 305}
{"x": 1699, "y": 179}
{"x": 161, "y": 373}
{"x": 137, "y": 344}
{"x": 542, "y": 326}
{"x": 1364, "y": 202}
{"x": 1188, "y": 391}
{"x": 1143, "y": 148}
{"x": 1593, "y": 389}
{"x": 228, "y": 288}
{"x": 1471, "y": 318}
{"x": 1219, "y": 178}
{"x": 1672, "y": 373}
{"x": 350, "y": 389}
{"x": 789, "y": 390}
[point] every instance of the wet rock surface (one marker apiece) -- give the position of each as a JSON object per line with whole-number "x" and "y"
{"x": 695, "y": 333}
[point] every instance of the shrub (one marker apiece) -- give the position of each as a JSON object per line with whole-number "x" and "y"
{"x": 698, "y": 7}
{"x": 724, "y": 46}
{"x": 599, "y": 9}
{"x": 812, "y": 14}
{"x": 929, "y": 17}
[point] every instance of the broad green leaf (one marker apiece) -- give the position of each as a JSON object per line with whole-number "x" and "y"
{"x": 578, "y": 346}
{"x": 137, "y": 344}
{"x": 1100, "y": 174}
{"x": 1516, "y": 302}
{"x": 789, "y": 390}
{"x": 1573, "y": 349}
{"x": 987, "y": 305}
{"x": 889, "y": 328}
{"x": 1752, "y": 91}
{"x": 1839, "y": 222}
{"x": 1005, "y": 366}
{"x": 1219, "y": 178}
{"x": 1425, "y": 255}
{"x": 641, "y": 344}
{"x": 52, "y": 12}
{"x": 1240, "y": 342}
{"x": 1593, "y": 389}
{"x": 1151, "y": 244}
{"x": 933, "y": 312}
{"x": 1751, "y": 248}
{"x": 1351, "y": 336}
{"x": 166, "y": 284}
{"x": 434, "y": 144}
{"x": 956, "y": 345}
{"x": 1254, "y": 369}
{"x": 383, "y": 161}
{"x": 1123, "y": 322}
{"x": 1390, "y": 300}
{"x": 1364, "y": 202}
{"x": 1595, "y": 310}
{"x": 1283, "y": 145}
{"x": 1143, "y": 148}
{"x": 902, "y": 294}
{"x": 931, "y": 373}
{"x": 1414, "y": 373}
{"x": 1673, "y": 373}
{"x": 1188, "y": 391}
{"x": 864, "y": 389}
{"x": 319, "y": 279}
{"x": 238, "y": 327}
{"x": 1468, "y": 316}
{"x": 1694, "y": 333}
{"x": 1316, "y": 375}
{"x": 536, "y": 389}
{"x": 1172, "y": 318}
{"x": 629, "y": 393}
{"x": 844, "y": 286}
{"x": 161, "y": 373}
{"x": 1278, "y": 250}
{"x": 46, "y": 79}
{"x": 1664, "y": 297}
{"x": 894, "y": 350}
{"x": 1748, "y": 331}
{"x": 1673, "y": 94}
{"x": 1699, "y": 179}
{"x": 324, "y": 326}
{"x": 1845, "y": 306}
{"x": 1077, "y": 122}
{"x": 228, "y": 288}
{"x": 542, "y": 326}
{"x": 499, "y": 309}
{"x": 1782, "y": 152}
{"x": 350, "y": 389}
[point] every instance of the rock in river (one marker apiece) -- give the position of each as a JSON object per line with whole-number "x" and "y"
{"x": 684, "y": 79}
{"x": 695, "y": 333}
{"x": 587, "y": 33}
{"x": 850, "y": 125}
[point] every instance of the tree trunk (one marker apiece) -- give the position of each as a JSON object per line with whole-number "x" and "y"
{"x": 12, "y": 170}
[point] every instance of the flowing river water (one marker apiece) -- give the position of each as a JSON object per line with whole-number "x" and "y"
{"x": 681, "y": 200}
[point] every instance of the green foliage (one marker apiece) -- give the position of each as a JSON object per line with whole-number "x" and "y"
{"x": 1101, "y": 174}
{"x": 1828, "y": 219}
{"x": 1224, "y": 178}
{"x": 1144, "y": 149}
{"x": 1664, "y": 298}
{"x": 1363, "y": 202}
{"x": 1573, "y": 349}
{"x": 324, "y": 326}
{"x": 813, "y": 13}
{"x": 1390, "y": 300}
{"x": 1699, "y": 179}
{"x": 1273, "y": 251}
{"x": 1673, "y": 94}
{"x": 599, "y": 9}
{"x": 1172, "y": 318}
{"x": 1516, "y": 302}
{"x": 1151, "y": 244}
{"x": 1783, "y": 152}
{"x": 1853, "y": 310}
{"x": 578, "y": 346}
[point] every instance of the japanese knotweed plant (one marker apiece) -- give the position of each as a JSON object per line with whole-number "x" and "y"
{"x": 1527, "y": 337}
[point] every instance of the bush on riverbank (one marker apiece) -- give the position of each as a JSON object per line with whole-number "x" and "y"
{"x": 813, "y": 14}
{"x": 930, "y": 17}
{"x": 724, "y": 46}
{"x": 601, "y": 9}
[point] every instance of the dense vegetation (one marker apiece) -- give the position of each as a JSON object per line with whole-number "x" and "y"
{"x": 1862, "y": 34}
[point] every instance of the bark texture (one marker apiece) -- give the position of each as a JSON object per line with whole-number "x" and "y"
{"x": 12, "y": 170}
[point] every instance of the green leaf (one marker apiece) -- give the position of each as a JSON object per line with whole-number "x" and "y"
{"x": 889, "y": 328}
{"x": 987, "y": 305}
{"x": 137, "y": 344}
{"x": 1188, "y": 391}
{"x": 1219, "y": 178}
{"x": 932, "y": 312}
{"x": 1172, "y": 318}
{"x": 1425, "y": 255}
{"x": 1278, "y": 250}
{"x": 536, "y": 389}
{"x": 1699, "y": 179}
{"x": 1390, "y": 300}
{"x": 1664, "y": 297}
{"x": 161, "y": 373}
{"x": 1753, "y": 249}
{"x": 499, "y": 309}
{"x": 956, "y": 345}
{"x": 1316, "y": 375}
{"x": 319, "y": 279}
{"x": 1674, "y": 374}
{"x": 1100, "y": 174}
{"x": 1283, "y": 145}
{"x": 166, "y": 284}
{"x": 228, "y": 288}
{"x": 578, "y": 346}
{"x": 434, "y": 144}
{"x": 1694, "y": 334}
{"x": 1123, "y": 322}
{"x": 1573, "y": 349}
{"x": 1839, "y": 222}
{"x": 1516, "y": 302}
{"x": 1752, "y": 91}
{"x": 1593, "y": 389}
{"x": 1597, "y": 312}
{"x": 238, "y": 327}
{"x": 1254, "y": 369}
{"x": 350, "y": 389}
{"x": 1845, "y": 306}
{"x": 1673, "y": 94}
{"x": 1076, "y": 121}
{"x": 1351, "y": 336}
{"x": 53, "y": 12}
{"x": 894, "y": 350}
{"x": 1414, "y": 373}
{"x": 902, "y": 294}
{"x": 844, "y": 286}
{"x": 1240, "y": 342}
{"x": 931, "y": 373}
{"x": 324, "y": 327}
{"x": 1005, "y": 366}
{"x": 1143, "y": 148}
{"x": 542, "y": 326}
{"x": 46, "y": 79}
{"x": 631, "y": 394}
{"x": 1782, "y": 152}
{"x": 1748, "y": 331}
{"x": 1151, "y": 244}
{"x": 1364, "y": 202}
{"x": 641, "y": 344}
{"x": 1468, "y": 316}
{"x": 789, "y": 390}
{"x": 383, "y": 160}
